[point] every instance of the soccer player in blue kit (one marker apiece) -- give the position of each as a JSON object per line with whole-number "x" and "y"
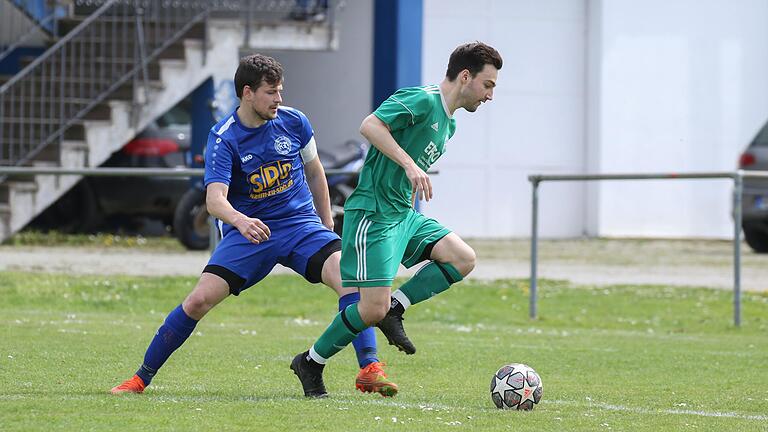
{"x": 268, "y": 191}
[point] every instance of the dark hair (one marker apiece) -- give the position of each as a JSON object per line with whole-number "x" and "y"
{"x": 254, "y": 69}
{"x": 473, "y": 57}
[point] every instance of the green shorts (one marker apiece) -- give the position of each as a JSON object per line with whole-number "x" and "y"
{"x": 371, "y": 252}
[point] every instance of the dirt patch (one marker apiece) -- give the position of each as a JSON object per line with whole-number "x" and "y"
{"x": 583, "y": 261}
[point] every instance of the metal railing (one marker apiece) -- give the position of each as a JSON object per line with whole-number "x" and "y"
{"x": 141, "y": 172}
{"x": 106, "y": 55}
{"x": 103, "y": 53}
{"x": 738, "y": 181}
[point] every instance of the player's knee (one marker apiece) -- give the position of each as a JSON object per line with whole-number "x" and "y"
{"x": 378, "y": 314}
{"x": 196, "y": 305}
{"x": 465, "y": 260}
{"x": 371, "y": 313}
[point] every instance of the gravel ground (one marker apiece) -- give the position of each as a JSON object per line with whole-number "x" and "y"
{"x": 707, "y": 263}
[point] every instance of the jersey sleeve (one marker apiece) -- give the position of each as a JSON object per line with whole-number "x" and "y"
{"x": 218, "y": 160}
{"x": 404, "y": 108}
{"x": 306, "y": 131}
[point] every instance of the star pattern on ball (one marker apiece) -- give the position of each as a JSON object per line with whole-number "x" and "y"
{"x": 501, "y": 385}
{"x": 526, "y": 393}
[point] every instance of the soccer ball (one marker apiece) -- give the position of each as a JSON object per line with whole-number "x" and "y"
{"x": 516, "y": 386}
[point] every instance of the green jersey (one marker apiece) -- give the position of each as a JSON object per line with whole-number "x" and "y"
{"x": 419, "y": 121}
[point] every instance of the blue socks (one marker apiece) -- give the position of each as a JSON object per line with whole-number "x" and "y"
{"x": 174, "y": 331}
{"x": 178, "y": 326}
{"x": 365, "y": 342}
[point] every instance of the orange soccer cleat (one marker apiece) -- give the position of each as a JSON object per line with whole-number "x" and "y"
{"x": 133, "y": 385}
{"x": 372, "y": 379}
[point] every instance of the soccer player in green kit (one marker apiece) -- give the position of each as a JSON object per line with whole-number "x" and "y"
{"x": 381, "y": 228}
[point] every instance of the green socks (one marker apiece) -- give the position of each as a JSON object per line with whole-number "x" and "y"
{"x": 343, "y": 329}
{"x": 430, "y": 280}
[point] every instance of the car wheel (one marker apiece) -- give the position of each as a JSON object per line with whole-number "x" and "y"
{"x": 756, "y": 237}
{"x": 190, "y": 220}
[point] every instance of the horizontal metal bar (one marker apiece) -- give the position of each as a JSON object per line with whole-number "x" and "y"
{"x": 105, "y": 172}
{"x": 131, "y": 172}
{"x": 537, "y": 178}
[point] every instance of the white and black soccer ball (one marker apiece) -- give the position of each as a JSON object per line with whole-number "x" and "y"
{"x": 516, "y": 386}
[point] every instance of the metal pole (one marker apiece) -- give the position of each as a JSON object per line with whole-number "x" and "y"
{"x": 737, "y": 193}
{"x": 331, "y": 15}
{"x": 248, "y": 19}
{"x": 131, "y": 172}
{"x": 141, "y": 44}
{"x": 534, "y": 246}
{"x": 206, "y": 36}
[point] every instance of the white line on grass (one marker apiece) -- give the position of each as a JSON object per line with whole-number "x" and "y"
{"x": 612, "y": 407}
{"x": 340, "y": 403}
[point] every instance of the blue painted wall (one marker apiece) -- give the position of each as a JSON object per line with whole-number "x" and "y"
{"x": 10, "y": 64}
{"x": 397, "y": 46}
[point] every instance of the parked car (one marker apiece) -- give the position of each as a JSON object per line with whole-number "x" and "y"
{"x": 97, "y": 203}
{"x": 755, "y": 196}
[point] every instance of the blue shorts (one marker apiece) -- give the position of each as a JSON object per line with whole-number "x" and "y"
{"x": 293, "y": 241}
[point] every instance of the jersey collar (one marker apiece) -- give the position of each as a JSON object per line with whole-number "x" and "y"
{"x": 445, "y": 105}
{"x": 246, "y": 128}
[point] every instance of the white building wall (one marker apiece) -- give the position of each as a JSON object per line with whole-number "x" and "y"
{"x": 682, "y": 87}
{"x": 600, "y": 86}
{"x": 534, "y": 124}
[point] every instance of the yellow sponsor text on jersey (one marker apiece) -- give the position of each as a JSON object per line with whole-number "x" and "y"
{"x": 270, "y": 176}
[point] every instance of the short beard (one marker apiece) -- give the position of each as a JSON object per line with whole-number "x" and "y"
{"x": 265, "y": 117}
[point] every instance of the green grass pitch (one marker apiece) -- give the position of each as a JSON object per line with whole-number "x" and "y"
{"x": 618, "y": 358}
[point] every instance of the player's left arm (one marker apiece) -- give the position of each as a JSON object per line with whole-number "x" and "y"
{"x": 318, "y": 185}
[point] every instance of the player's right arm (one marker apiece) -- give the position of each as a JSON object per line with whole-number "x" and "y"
{"x": 217, "y": 204}
{"x": 219, "y": 157}
{"x": 377, "y": 133}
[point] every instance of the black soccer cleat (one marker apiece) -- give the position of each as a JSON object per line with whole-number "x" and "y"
{"x": 392, "y": 327}
{"x": 310, "y": 375}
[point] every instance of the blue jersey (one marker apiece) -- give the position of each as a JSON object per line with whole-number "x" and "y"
{"x": 262, "y": 166}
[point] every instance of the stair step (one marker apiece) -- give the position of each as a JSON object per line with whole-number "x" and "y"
{"x": 81, "y": 87}
{"x": 82, "y": 76}
{"x": 33, "y": 121}
{"x": 44, "y": 164}
{"x": 23, "y": 186}
{"x": 21, "y": 135}
{"x": 106, "y": 48}
{"x": 66, "y": 82}
{"x": 17, "y": 183}
{"x": 49, "y": 154}
{"x": 47, "y": 106}
{"x": 122, "y": 26}
{"x": 74, "y": 145}
{"x": 88, "y": 67}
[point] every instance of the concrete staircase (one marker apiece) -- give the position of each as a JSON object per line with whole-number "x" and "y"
{"x": 106, "y": 128}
